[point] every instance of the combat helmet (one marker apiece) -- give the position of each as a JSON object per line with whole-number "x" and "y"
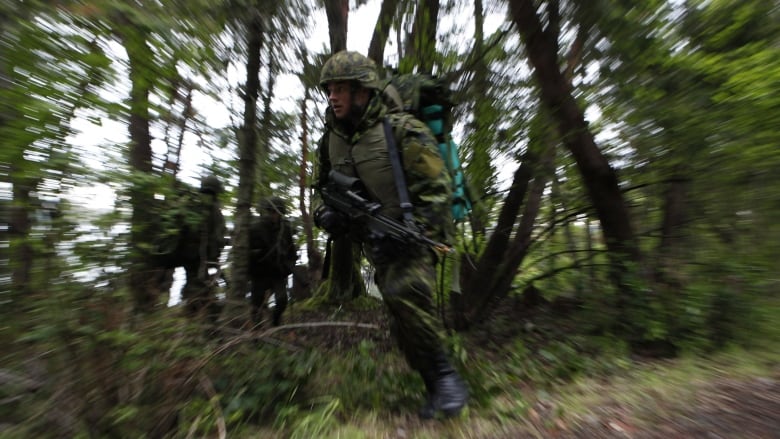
{"x": 350, "y": 66}
{"x": 273, "y": 204}
{"x": 210, "y": 184}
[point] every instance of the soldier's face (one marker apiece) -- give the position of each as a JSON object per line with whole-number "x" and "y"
{"x": 342, "y": 98}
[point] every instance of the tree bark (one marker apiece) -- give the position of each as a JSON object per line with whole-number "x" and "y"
{"x": 236, "y": 312}
{"x": 492, "y": 260}
{"x": 21, "y": 249}
{"x": 338, "y": 14}
{"x": 482, "y": 129}
{"x": 313, "y": 253}
{"x": 144, "y": 278}
{"x": 387, "y": 13}
{"x": 421, "y": 43}
{"x": 506, "y": 265}
{"x": 672, "y": 244}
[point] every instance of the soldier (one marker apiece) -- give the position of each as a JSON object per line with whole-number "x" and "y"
{"x": 200, "y": 245}
{"x": 355, "y": 144}
{"x": 272, "y": 256}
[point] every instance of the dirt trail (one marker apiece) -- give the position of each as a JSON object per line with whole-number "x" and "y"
{"x": 726, "y": 409}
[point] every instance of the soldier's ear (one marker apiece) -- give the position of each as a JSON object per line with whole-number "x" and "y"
{"x": 362, "y": 95}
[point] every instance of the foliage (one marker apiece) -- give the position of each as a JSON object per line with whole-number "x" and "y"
{"x": 680, "y": 97}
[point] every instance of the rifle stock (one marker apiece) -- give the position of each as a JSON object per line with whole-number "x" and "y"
{"x": 341, "y": 194}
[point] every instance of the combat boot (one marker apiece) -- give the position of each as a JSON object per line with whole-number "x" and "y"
{"x": 446, "y": 390}
{"x": 428, "y": 410}
{"x": 276, "y": 318}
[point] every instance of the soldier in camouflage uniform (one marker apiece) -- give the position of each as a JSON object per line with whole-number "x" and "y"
{"x": 272, "y": 256}
{"x": 200, "y": 245}
{"x": 355, "y": 144}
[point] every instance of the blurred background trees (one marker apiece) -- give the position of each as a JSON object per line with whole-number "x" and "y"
{"x": 623, "y": 156}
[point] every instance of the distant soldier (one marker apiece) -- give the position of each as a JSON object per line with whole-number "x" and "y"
{"x": 272, "y": 256}
{"x": 200, "y": 245}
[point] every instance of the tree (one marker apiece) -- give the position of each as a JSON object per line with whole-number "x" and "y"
{"x": 309, "y": 77}
{"x": 141, "y": 39}
{"x": 266, "y": 32}
{"x": 421, "y": 41}
{"x": 247, "y": 145}
{"x": 337, "y": 12}
{"x": 39, "y": 102}
{"x": 387, "y": 13}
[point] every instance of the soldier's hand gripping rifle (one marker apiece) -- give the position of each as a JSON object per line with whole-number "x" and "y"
{"x": 341, "y": 194}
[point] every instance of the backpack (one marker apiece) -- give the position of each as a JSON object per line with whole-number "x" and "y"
{"x": 271, "y": 247}
{"x": 429, "y": 99}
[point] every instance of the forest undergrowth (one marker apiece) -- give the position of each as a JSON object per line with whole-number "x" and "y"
{"x": 333, "y": 371}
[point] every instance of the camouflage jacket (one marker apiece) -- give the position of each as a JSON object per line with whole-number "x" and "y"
{"x": 362, "y": 152}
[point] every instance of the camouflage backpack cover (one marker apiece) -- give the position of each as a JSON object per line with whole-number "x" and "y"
{"x": 429, "y": 99}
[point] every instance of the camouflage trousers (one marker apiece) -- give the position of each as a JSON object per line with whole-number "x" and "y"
{"x": 262, "y": 287}
{"x": 199, "y": 294}
{"x": 407, "y": 282}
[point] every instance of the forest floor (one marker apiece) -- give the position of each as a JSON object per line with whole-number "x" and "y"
{"x": 672, "y": 398}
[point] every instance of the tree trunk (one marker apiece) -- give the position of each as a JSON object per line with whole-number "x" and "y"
{"x": 672, "y": 244}
{"x": 338, "y": 14}
{"x": 482, "y": 129}
{"x": 345, "y": 281}
{"x": 236, "y": 310}
{"x": 600, "y": 179}
{"x": 264, "y": 134}
{"x": 21, "y": 249}
{"x": 421, "y": 43}
{"x": 675, "y": 214}
{"x": 313, "y": 253}
{"x": 475, "y": 294}
{"x": 144, "y": 277}
{"x": 387, "y": 13}
{"x": 507, "y": 265}
{"x": 188, "y": 111}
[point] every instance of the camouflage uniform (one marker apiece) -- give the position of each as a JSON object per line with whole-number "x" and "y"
{"x": 272, "y": 257}
{"x": 405, "y": 276}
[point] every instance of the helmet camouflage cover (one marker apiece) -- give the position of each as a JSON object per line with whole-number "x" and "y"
{"x": 273, "y": 204}
{"x": 350, "y": 66}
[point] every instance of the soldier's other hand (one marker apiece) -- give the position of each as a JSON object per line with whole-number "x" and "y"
{"x": 330, "y": 220}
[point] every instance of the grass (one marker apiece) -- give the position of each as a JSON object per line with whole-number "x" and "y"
{"x": 349, "y": 382}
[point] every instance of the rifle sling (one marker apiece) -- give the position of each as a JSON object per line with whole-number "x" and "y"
{"x": 398, "y": 173}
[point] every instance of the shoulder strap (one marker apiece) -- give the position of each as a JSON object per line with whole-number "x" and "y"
{"x": 398, "y": 173}
{"x": 393, "y": 98}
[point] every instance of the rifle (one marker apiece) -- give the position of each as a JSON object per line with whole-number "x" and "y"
{"x": 341, "y": 194}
